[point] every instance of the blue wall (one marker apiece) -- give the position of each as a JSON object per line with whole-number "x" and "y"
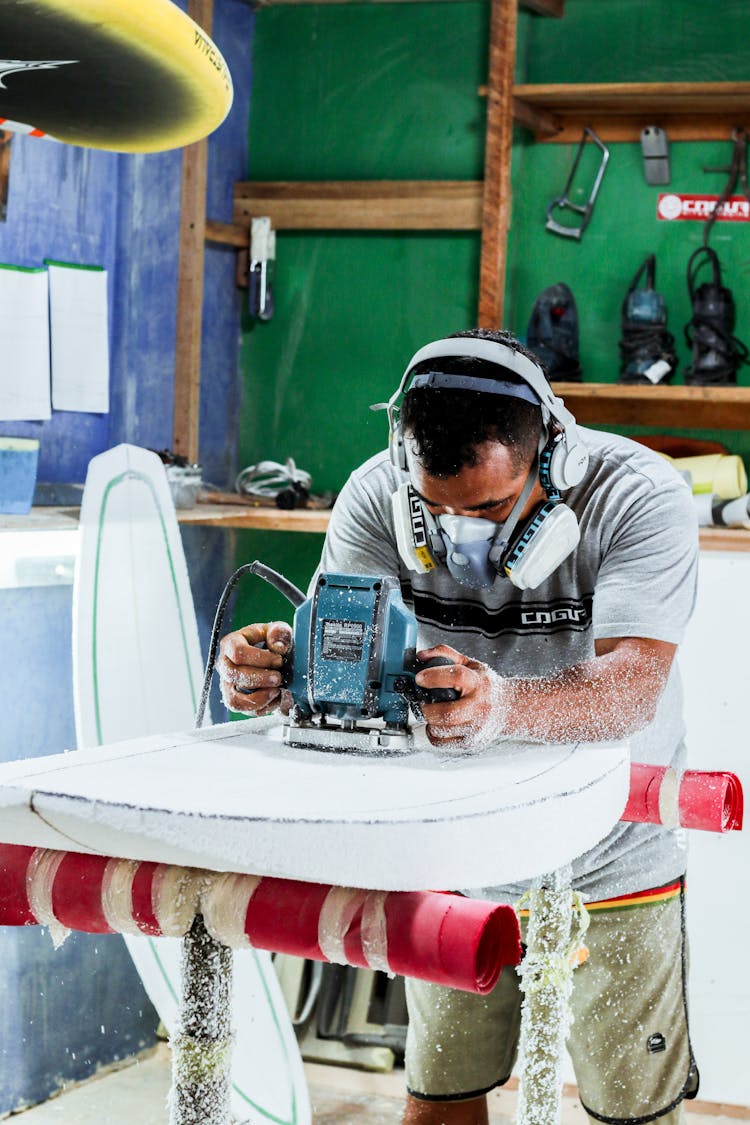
{"x": 120, "y": 212}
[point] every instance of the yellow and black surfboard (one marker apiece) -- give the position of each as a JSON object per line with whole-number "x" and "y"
{"x": 123, "y": 75}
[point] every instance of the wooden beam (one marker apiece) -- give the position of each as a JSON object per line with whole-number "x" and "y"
{"x": 617, "y": 111}
{"x": 704, "y": 408}
{"x": 722, "y": 539}
{"x": 361, "y": 205}
{"x": 228, "y": 234}
{"x": 5, "y": 141}
{"x": 266, "y": 519}
{"x": 187, "y": 375}
{"x": 539, "y": 121}
{"x": 498, "y": 137}
{"x": 555, "y": 8}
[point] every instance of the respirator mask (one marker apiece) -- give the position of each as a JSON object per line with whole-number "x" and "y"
{"x": 474, "y": 550}
{"x": 468, "y": 544}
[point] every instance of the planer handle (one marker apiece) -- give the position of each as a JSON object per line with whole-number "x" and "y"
{"x": 407, "y": 686}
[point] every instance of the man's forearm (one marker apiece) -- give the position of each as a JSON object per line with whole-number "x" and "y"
{"x": 607, "y": 698}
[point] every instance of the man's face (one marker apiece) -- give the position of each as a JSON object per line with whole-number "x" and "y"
{"x": 487, "y": 490}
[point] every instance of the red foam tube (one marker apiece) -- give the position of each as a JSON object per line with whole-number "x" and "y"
{"x": 708, "y": 800}
{"x": 15, "y": 909}
{"x": 711, "y": 800}
{"x": 77, "y": 893}
{"x": 446, "y": 939}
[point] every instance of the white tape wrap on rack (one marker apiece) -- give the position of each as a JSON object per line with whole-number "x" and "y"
{"x": 336, "y": 916}
{"x": 117, "y": 895}
{"x": 669, "y": 798}
{"x": 224, "y": 902}
{"x": 40, "y": 877}
{"x": 375, "y": 933}
{"x": 175, "y": 894}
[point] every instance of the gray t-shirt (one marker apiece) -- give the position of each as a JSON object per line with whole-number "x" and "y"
{"x": 632, "y": 575}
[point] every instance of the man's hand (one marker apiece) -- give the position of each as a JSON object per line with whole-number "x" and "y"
{"x": 251, "y": 675}
{"x": 605, "y": 699}
{"x": 474, "y": 719}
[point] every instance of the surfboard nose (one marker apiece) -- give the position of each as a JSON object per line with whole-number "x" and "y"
{"x": 136, "y": 77}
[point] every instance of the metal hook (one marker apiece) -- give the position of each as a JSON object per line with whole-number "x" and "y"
{"x": 563, "y": 200}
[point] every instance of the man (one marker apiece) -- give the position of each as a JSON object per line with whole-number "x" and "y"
{"x": 479, "y": 508}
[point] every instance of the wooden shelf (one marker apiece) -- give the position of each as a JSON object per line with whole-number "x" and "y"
{"x": 264, "y": 519}
{"x": 271, "y": 519}
{"x": 724, "y": 539}
{"x": 358, "y": 205}
{"x": 701, "y": 408}
{"x": 42, "y": 519}
{"x": 617, "y": 111}
{"x": 207, "y": 515}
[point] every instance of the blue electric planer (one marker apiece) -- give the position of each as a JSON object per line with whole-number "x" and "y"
{"x": 353, "y": 664}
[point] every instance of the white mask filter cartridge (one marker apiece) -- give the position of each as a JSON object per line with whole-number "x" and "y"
{"x": 546, "y": 542}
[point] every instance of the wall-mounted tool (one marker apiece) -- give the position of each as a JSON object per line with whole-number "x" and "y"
{"x": 564, "y": 201}
{"x": 736, "y": 170}
{"x": 552, "y": 333}
{"x": 655, "y": 149}
{"x": 717, "y": 353}
{"x": 647, "y": 354}
{"x": 262, "y": 260}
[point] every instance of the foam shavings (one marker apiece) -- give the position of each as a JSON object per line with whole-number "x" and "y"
{"x": 547, "y": 980}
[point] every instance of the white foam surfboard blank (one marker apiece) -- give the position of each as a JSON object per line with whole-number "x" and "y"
{"x": 137, "y": 671}
{"x": 235, "y": 798}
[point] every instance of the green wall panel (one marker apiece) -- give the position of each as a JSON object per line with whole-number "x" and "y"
{"x": 386, "y": 91}
{"x": 624, "y": 228}
{"x": 626, "y": 41}
{"x": 389, "y": 91}
{"x": 350, "y": 311}
{"x": 640, "y": 41}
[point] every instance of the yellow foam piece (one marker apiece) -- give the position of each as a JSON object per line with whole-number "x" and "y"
{"x": 722, "y": 474}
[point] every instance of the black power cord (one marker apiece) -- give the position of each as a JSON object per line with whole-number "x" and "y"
{"x": 283, "y": 585}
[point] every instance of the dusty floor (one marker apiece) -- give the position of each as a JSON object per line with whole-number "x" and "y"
{"x": 138, "y": 1093}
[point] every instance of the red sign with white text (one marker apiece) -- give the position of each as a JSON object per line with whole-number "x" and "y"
{"x": 671, "y": 206}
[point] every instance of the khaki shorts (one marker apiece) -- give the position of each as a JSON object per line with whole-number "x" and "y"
{"x": 629, "y": 1040}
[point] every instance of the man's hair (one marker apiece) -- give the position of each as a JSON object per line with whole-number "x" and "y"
{"x": 448, "y": 425}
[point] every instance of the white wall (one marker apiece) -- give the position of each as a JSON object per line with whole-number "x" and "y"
{"x": 715, "y": 664}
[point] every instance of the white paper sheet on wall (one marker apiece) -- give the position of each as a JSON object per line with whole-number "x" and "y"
{"x": 79, "y": 337}
{"x": 24, "y": 331}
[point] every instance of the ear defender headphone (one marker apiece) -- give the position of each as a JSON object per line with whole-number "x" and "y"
{"x": 478, "y": 550}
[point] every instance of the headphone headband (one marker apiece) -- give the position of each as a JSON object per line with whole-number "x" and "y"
{"x": 473, "y": 347}
{"x": 441, "y": 381}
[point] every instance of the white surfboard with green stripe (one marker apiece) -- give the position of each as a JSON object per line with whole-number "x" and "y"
{"x": 137, "y": 670}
